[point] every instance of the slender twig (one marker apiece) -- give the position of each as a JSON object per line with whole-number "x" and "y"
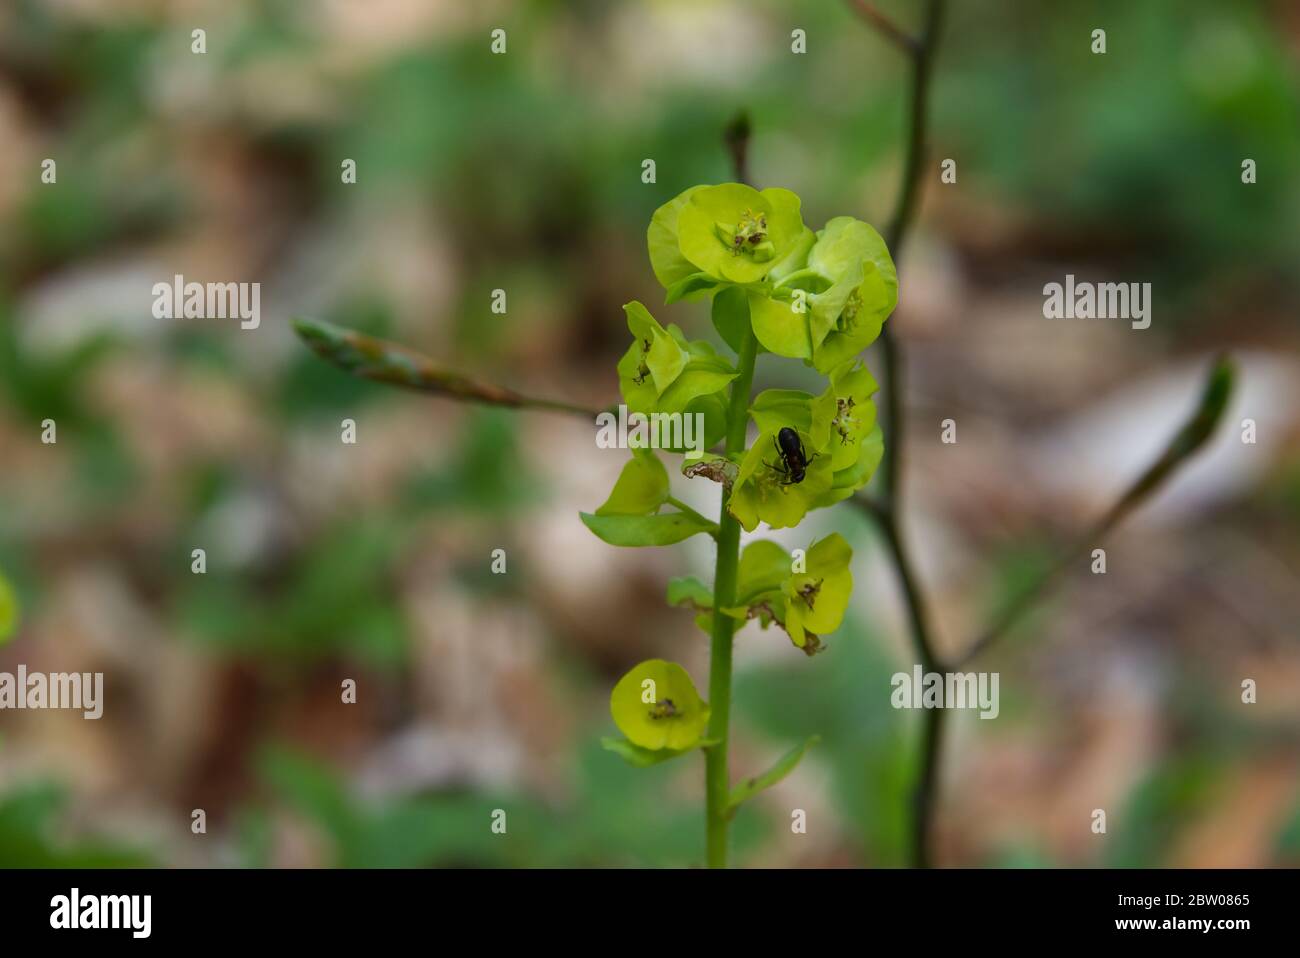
{"x": 1181, "y": 447}
{"x": 888, "y": 513}
{"x": 908, "y": 581}
{"x": 890, "y": 30}
{"x": 387, "y": 362}
{"x": 896, "y": 232}
{"x": 736, "y": 138}
{"x": 926, "y": 795}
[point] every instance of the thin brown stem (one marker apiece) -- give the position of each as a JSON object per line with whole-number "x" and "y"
{"x": 895, "y": 233}
{"x": 927, "y": 788}
{"x": 382, "y": 361}
{"x": 736, "y": 137}
{"x": 1193, "y": 435}
{"x": 889, "y": 511}
{"x": 909, "y": 582}
{"x": 887, "y": 28}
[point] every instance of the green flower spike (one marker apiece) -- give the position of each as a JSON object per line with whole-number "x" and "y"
{"x": 763, "y": 493}
{"x": 730, "y": 233}
{"x": 656, "y": 706}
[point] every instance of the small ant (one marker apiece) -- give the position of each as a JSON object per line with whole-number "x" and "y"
{"x": 664, "y": 709}
{"x": 845, "y": 407}
{"x": 643, "y": 370}
{"x": 809, "y": 592}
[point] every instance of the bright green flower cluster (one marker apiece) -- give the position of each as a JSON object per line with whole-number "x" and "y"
{"x": 820, "y": 297}
{"x": 806, "y": 595}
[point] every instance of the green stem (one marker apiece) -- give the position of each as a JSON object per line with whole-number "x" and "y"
{"x": 717, "y": 786}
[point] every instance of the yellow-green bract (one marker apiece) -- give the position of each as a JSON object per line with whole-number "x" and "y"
{"x": 729, "y": 233}
{"x": 656, "y": 706}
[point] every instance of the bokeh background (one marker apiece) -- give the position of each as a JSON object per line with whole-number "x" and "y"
{"x": 523, "y": 172}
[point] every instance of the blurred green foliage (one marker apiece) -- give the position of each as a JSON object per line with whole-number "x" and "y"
{"x": 485, "y": 474}
{"x": 617, "y": 815}
{"x": 866, "y": 742}
{"x": 335, "y": 596}
{"x": 29, "y": 835}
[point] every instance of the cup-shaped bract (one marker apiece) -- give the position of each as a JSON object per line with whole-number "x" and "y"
{"x": 845, "y": 413}
{"x": 817, "y": 598}
{"x": 730, "y": 233}
{"x": 656, "y": 706}
{"x": 846, "y": 318}
{"x": 766, "y": 490}
{"x": 664, "y": 372}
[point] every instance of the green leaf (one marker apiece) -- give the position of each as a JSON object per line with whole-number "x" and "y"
{"x": 764, "y": 565}
{"x": 796, "y": 259}
{"x": 701, "y": 377}
{"x": 663, "y": 372}
{"x": 744, "y": 791}
{"x": 664, "y": 358}
{"x": 844, "y": 244}
{"x": 775, "y": 408}
{"x": 781, "y": 325}
{"x": 666, "y": 259}
{"x": 847, "y": 414}
{"x": 816, "y": 599}
{"x": 731, "y": 316}
{"x": 639, "y": 757}
{"x": 847, "y": 481}
{"x": 661, "y": 529}
{"x": 714, "y": 410}
{"x": 692, "y": 287}
{"x": 689, "y": 592}
{"x": 642, "y": 487}
{"x": 656, "y": 706}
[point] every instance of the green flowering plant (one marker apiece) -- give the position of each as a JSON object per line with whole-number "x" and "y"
{"x": 775, "y": 286}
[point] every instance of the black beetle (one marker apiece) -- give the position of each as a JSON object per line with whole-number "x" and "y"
{"x": 794, "y": 461}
